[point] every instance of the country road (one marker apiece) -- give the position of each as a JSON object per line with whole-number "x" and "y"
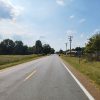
{"x": 42, "y": 79}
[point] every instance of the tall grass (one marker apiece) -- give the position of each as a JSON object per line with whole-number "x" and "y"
{"x": 10, "y": 60}
{"x": 90, "y": 69}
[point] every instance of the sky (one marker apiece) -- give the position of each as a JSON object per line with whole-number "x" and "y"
{"x": 51, "y": 21}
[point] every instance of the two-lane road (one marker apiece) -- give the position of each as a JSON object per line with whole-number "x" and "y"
{"x": 42, "y": 79}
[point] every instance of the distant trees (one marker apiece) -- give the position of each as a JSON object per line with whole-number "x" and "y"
{"x": 25, "y": 50}
{"x": 18, "y": 49}
{"x": 8, "y": 46}
{"x": 92, "y": 49}
{"x": 80, "y": 50}
{"x": 38, "y": 47}
{"x": 61, "y": 51}
{"x": 52, "y": 51}
{"x": 46, "y": 49}
{"x": 43, "y": 49}
{"x": 31, "y": 50}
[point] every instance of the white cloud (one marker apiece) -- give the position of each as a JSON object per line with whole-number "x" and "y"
{"x": 8, "y": 10}
{"x": 0, "y": 36}
{"x": 82, "y": 35}
{"x": 42, "y": 37}
{"x": 82, "y": 20}
{"x": 72, "y": 17}
{"x": 63, "y": 2}
{"x": 60, "y": 2}
{"x": 18, "y": 31}
{"x": 95, "y": 31}
{"x": 70, "y": 32}
{"x": 16, "y": 37}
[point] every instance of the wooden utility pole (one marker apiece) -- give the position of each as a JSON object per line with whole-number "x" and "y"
{"x": 70, "y": 40}
{"x": 66, "y": 48}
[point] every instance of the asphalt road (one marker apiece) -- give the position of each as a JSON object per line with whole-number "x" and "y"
{"x": 42, "y": 79}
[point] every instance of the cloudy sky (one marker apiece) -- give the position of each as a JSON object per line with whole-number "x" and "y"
{"x": 51, "y": 21}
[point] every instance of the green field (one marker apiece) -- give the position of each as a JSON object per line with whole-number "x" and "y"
{"x": 11, "y": 60}
{"x": 90, "y": 69}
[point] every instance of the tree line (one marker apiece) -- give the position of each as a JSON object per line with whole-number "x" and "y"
{"x": 10, "y": 47}
{"x": 91, "y": 50}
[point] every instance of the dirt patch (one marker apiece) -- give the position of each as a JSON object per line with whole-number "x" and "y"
{"x": 87, "y": 83}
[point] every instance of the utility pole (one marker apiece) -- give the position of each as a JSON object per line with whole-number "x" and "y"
{"x": 66, "y": 48}
{"x": 70, "y": 40}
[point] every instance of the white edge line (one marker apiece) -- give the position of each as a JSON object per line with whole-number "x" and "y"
{"x": 81, "y": 86}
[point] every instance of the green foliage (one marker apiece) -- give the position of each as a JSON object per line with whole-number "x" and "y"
{"x": 8, "y": 47}
{"x": 38, "y": 47}
{"x": 61, "y": 51}
{"x": 90, "y": 69}
{"x": 46, "y": 49}
{"x": 78, "y": 48}
{"x": 31, "y": 50}
{"x": 11, "y": 60}
{"x": 93, "y": 44}
{"x": 43, "y": 49}
{"x": 18, "y": 47}
{"x": 52, "y": 51}
{"x": 92, "y": 49}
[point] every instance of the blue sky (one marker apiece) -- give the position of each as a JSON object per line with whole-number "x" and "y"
{"x": 51, "y": 21}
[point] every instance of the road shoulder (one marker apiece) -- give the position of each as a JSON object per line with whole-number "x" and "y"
{"x": 87, "y": 83}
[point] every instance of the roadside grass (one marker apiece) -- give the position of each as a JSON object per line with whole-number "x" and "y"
{"x": 11, "y": 60}
{"x": 90, "y": 69}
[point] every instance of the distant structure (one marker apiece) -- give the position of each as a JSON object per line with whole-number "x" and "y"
{"x": 72, "y": 53}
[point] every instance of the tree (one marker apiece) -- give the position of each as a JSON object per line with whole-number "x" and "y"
{"x": 7, "y": 46}
{"x": 25, "y": 50}
{"x": 18, "y": 47}
{"x": 34, "y": 50}
{"x": 79, "y": 51}
{"x": 30, "y": 50}
{"x": 83, "y": 50}
{"x": 93, "y": 46}
{"x": 46, "y": 49}
{"x": 38, "y": 47}
{"x": 52, "y": 51}
{"x": 89, "y": 47}
{"x": 61, "y": 51}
